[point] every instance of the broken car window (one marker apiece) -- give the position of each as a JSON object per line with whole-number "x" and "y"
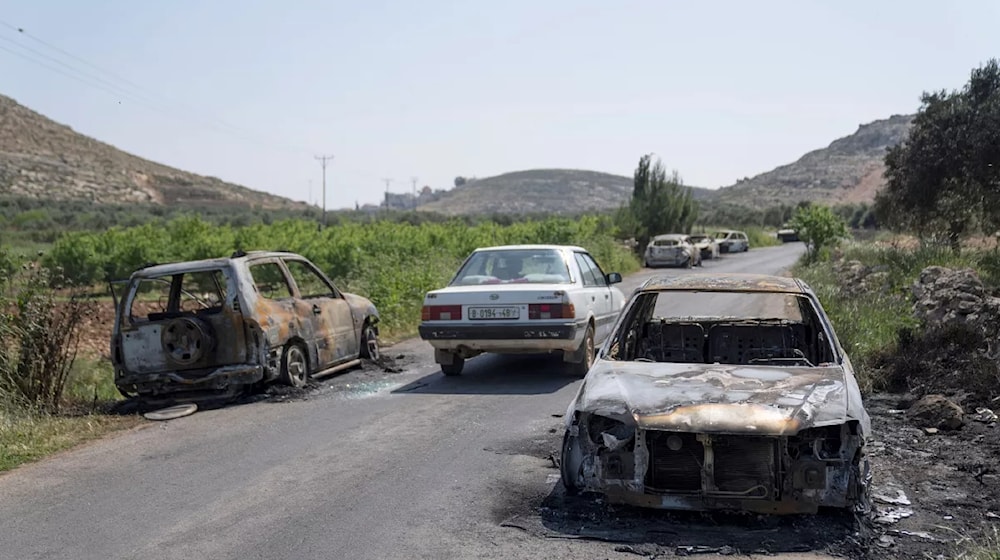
{"x": 309, "y": 282}
{"x": 203, "y": 290}
{"x": 738, "y": 328}
{"x": 270, "y": 280}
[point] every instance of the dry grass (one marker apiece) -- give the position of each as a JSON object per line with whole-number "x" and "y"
{"x": 26, "y": 437}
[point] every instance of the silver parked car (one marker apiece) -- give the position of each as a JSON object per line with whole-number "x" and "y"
{"x": 721, "y": 391}
{"x": 671, "y": 249}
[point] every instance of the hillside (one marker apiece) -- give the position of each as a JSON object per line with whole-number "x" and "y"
{"x": 849, "y": 170}
{"x": 40, "y": 158}
{"x": 563, "y": 191}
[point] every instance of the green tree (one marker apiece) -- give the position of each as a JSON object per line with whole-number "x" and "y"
{"x": 659, "y": 204}
{"x": 944, "y": 180}
{"x": 819, "y": 227}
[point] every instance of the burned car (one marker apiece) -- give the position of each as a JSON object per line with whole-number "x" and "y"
{"x": 222, "y": 325}
{"x": 723, "y": 391}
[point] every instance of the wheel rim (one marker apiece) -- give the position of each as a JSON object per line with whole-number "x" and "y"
{"x": 371, "y": 343}
{"x": 296, "y": 364}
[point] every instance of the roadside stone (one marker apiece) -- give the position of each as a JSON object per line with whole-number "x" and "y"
{"x": 930, "y": 431}
{"x": 947, "y": 297}
{"x": 936, "y": 411}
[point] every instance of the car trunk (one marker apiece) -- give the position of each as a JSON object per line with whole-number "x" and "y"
{"x": 518, "y": 303}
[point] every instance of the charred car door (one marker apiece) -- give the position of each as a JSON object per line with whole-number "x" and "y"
{"x": 333, "y": 320}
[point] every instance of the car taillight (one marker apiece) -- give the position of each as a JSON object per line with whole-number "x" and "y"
{"x": 441, "y": 313}
{"x": 551, "y": 311}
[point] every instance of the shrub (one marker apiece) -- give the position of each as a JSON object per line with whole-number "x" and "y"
{"x": 39, "y": 336}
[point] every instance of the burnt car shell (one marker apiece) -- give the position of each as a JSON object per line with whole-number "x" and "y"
{"x": 679, "y": 434}
{"x": 234, "y": 340}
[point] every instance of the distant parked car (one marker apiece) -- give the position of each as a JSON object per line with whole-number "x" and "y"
{"x": 671, "y": 249}
{"x": 787, "y": 235}
{"x": 731, "y": 241}
{"x": 706, "y": 244}
{"x": 522, "y": 299}
{"x": 222, "y": 325}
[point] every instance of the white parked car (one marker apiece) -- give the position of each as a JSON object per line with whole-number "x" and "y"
{"x": 732, "y": 241}
{"x": 522, "y": 299}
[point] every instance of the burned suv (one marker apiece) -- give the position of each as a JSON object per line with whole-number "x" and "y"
{"x": 219, "y": 326}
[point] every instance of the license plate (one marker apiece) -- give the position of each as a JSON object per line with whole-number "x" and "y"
{"x": 504, "y": 312}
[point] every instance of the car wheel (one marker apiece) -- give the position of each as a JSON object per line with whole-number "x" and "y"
{"x": 569, "y": 465}
{"x": 587, "y": 350}
{"x": 294, "y": 366}
{"x": 369, "y": 343}
{"x": 454, "y": 368}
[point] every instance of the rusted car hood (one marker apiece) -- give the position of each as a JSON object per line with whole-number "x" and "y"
{"x": 714, "y": 398}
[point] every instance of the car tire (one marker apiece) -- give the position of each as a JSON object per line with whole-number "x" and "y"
{"x": 454, "y": 368}
{"x": 586, "y": 351}
{"x": 294, "y": 366}
{"x": 568, "y": 462}
{"x": 369, "y": 343}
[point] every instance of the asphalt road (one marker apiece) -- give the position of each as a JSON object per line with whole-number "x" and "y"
{"x": 367, "y": 465}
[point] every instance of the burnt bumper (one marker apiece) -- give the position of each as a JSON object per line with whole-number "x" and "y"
{"x": 216, "y": 379}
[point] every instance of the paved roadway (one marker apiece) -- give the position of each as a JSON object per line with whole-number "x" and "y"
{"x": 405, "y": 465}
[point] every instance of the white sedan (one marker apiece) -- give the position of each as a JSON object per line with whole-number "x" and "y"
{"x": 522, "y": 299}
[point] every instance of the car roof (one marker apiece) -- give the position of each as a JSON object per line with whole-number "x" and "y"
{"x": 158, "y": 270}
{"x": 532, "y": 247}
{"x": 725, "y": 282}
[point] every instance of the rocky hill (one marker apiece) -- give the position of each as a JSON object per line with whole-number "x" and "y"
{"x": 40, "y": 158}
{"x": 849, "y": 170}
{"x": 562, "y": 191}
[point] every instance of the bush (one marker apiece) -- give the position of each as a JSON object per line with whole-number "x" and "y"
{"x": 39, "y": 336}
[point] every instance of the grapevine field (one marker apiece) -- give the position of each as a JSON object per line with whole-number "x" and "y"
{"x": 392, "y": 263}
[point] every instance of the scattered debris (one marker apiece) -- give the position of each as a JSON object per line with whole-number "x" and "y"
{"x": 892, "y": 515}
{"x": 899, "y": 499}
{"x": 984, "y": 415}
{"x": 171, "y": 412}
{"x": 931, "y": 431}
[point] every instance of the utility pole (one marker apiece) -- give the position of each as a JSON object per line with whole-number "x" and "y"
{"x": 413, "y": 180}
{"x": 323, "y": 160}
{"x": 387, "y": 182}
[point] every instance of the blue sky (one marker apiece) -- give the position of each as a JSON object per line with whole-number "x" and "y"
{"x": 250, "y": 91}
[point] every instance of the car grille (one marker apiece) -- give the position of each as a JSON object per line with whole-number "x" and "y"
{"x": 670, "y": 470}
{"x": 742, "y": 465}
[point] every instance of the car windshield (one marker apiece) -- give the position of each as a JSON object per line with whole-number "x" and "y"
{"x": 509, "y": 266}
{"x": 666, "y": 242}
{"x": 721, "y": 234}
{"x": 739, "y": 328}
{"x": 697, "y": 238}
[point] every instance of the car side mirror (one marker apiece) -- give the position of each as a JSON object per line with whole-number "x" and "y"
{"x": 614, "y": 278}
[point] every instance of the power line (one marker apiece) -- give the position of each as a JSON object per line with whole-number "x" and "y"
{"x": 98, "y": 82}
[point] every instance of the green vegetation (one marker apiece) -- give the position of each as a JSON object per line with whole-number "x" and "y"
{"x": 942, "y": 182}
{"x": 392, "y": 263}
{"x": 819, "y": 228}
{"x": 870, "y": 319}
{"x": 658, "y": 204}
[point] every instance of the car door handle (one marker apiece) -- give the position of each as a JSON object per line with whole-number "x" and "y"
{"x": 316, "y": 310}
